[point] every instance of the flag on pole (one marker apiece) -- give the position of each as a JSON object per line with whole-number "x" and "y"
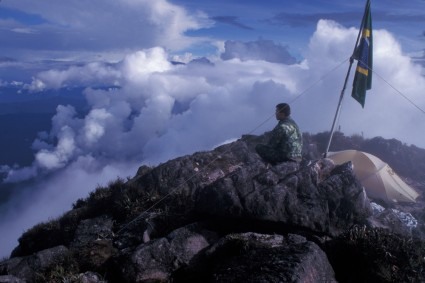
{"x": 363, "y": 55}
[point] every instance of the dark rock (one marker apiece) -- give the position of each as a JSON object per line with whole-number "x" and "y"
{"x": 89, "y": 277}
{"x": 252, "y": 257}
{"x": 156, "y": 260}
{"x": 94, "y": 255}
{"x": 93, "y": 242}
{"x": 396, "y": 221}
{"x": 288, "y": 195}
{"x": 27, "y": 267}
{"x": 10, "y": 279}
{"x": 90, "y": 230}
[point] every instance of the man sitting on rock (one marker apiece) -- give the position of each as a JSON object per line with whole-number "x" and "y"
{"x": 285, "y": 143}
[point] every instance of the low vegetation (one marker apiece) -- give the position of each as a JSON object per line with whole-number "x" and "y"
{"x": 376, "y": 255}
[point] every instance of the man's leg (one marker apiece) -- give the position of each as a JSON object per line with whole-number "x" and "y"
{"x": 268, "y": 153}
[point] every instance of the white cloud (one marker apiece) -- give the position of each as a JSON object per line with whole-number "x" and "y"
{"x": 100, "y": 27}
{"x": 23, "y": 30}
{"x": 265, "y": 50}
{"x": 137, "y": 66}
{"x": 36, "y": 85}
{"x": 132, "y": 69}
{"x": 60, "y": 156}
{"x": 199, "y": 105}
{"x": 94, "y": 127}
{"x": 90, "y": 74}
{"x": 161, "y": 111}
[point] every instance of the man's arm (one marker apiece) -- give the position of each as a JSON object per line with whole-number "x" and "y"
{"x": 278, "y": 134}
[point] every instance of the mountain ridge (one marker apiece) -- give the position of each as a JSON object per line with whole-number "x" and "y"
{"x": 194, "y": 217}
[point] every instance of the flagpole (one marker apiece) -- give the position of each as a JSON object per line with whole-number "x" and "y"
{"x": 345, "y": 81}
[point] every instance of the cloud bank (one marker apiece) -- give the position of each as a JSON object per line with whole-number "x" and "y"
{"x": 155, "y": 110}
{"x": 255, "y": 51}
{"x": 96, "y": 28}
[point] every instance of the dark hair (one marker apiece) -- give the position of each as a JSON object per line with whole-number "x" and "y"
{"x": 284, "y": 108}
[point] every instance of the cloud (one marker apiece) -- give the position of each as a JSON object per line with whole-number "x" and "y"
{"x": 394, "y": 76}
{"x": 306, "y": 19}
{"x": 23, "y": 30}
{"x": 96, "y": 73}
{"x": 93, "y": 27}
{"x": 265, "y": 50}
{"x": 6, "y": 60}
{"x": 158, "y": 111}
{"x": 346, "y": 18}
{"x": 231, "y": 20}
{"x": 156, "y": 102}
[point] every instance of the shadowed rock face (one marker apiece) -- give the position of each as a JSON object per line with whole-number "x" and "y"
{"x": 233, "y": 182}
{"x": 253, "y": 257}
{"x": 287, "y": 195}
{"x": 217, "y": 216}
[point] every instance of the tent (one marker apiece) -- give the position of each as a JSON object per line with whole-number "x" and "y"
{"x": 378, "y": 179}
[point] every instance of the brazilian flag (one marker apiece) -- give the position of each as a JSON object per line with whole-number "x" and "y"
{"x": 363, "y": 55}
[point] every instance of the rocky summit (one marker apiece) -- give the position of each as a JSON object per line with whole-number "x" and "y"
{"x": 224, "y": 216}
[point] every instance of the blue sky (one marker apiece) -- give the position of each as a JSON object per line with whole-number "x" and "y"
{"x": 291, "y": 22}
{"x": 240, "y": 59}
{"x": 48, "y": 30}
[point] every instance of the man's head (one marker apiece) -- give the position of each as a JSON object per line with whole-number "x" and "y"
{"x": 282, "y": 111}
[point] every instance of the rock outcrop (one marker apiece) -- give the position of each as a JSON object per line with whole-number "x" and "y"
{"x": 218, "y": 216}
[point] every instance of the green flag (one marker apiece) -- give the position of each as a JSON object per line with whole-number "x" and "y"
{"x": 363, "y": 55}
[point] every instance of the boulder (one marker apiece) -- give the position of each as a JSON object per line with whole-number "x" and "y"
{"x": 10, "y": 279}
{"x": 253, "y": 257}
{"x": 93, "y": 242}
{"x": 288, "y": 195}
{"x": 393, "y": 220}
{"x": 156, "y": 260}
{"x": 89, "y": 277}
{"x": 27, "y": 267}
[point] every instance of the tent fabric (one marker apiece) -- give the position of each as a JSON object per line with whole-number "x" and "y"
{"x": 378, "y": 179}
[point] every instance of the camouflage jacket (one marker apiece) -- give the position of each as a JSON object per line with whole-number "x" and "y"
{"x": 286, "y": 138}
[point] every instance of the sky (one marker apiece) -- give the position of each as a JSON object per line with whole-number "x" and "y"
{"x": 163, "y": 79}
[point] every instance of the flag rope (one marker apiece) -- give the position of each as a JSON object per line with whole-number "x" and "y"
{"x": 396, "y": 90}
